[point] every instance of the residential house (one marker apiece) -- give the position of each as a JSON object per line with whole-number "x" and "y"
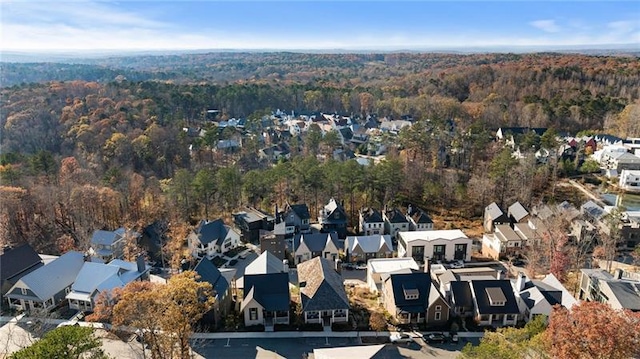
{"x": 363, "y": 248}
{"x": 45, "y": 287}
{"x": 274, "y": 244}
{"x": 619, "y": 160}
{"x": 16, "y": 263}
{"x": 371, "y": 221}
{"x": 437, "y": 245}
{"x": 493, "y": 215}
{"x": 418, "y": 219}
{"x": 333, "y": 218}
{"x": 412, "y": 298}
{"x": 495, "y": 303}
{"x": 221, "y": 283}
{"x": 95, "y": 278}
{"x": 108, "y": 245}
{"x": 296, "y": 218}
{"x": 211, "y": 238}
{"x": 605, "y": 140}
{"x": 528, "y": 235}
{"x": 378, "y": 267}
{"x": 537, "y": 297}
{"x": 345, "y": 135}
{"x": 394, "y": 222}
{"x": 620, "y": 290}
{"x": 266, "y": 299}
{"x": 517, "y": 213}
{"x": 266, "y": 263}
{"x": 322, "y": 295}
{"x": 450, "y": 276}
{"x": 629, "y": 181}
{"x": 503, "y": 242}
{"x": 310, "y": 245}
{"x": 252, "y": 222}
{"x": 275, "y": 152}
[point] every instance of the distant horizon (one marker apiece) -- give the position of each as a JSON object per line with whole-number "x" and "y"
{"x": 47, "y": 26}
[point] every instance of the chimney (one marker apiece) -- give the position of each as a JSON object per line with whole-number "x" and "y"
{"x": 338, "y": 265}
{"x": 427, "y": 266}
{"x": 140, "y": 263}
{"x": 410, "y": 210}
{"x": 275, "y": 214}
{"x": 498, "y": 274}
{"x": 285, "y": 266}
{"x": 520, "y": 281}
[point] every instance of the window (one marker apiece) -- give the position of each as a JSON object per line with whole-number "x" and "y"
{"x": 438, "y": 316}
{"x": 23, "y": 291}
{"x": 438, "y": 308}
{"x": 253, "y": 314}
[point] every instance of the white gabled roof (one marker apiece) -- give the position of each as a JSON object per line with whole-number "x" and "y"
{"x": 369, "y": 244}
{"x": 387, "y": 265}
{"x": 266, "y": 263}
{"x": 429, "y": 236}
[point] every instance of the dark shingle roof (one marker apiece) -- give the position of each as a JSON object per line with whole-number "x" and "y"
{"x": 270, "y": 290}
{"x": 18, "y": 260}
{"x": 301, "y": 210}
{"x": 395, "y": 216}
{"x": 323, "y": 287}
{"x": 371, "y": 215}
{"x": 209, "y": 273}
{"x": 419, "y": 281}
{"x": 419, "y": 216}
{"x": 482, "y": 299}
{"x": 462, "y": 294}
{"x": 212, "y": 231}
{"x": 627, "y": 293}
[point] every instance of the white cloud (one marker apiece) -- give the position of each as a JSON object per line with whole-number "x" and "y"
{"x": 546, "y": 25}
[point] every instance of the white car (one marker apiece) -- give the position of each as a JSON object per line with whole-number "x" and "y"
{"x": 457, "y": 264}
{"x": 399, "y": 338}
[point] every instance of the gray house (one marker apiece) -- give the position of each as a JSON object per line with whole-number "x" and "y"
{"x": 16, "y": 263}
{"x": 296, "y": 218}
{"x": 322, "y": 293}
{"x": 46, "y": 286}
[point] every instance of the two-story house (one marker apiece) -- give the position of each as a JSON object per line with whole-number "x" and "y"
{"x": 495, "y": 303}
{"x": 333, "y": 218}
{"x": 620, "y": 290}
{"x": 363, "y": 248}
{"x": 95, "y": 278}
{"x": 296, "y": 218}
{"x": 322, "y": 295}
{"x": 221, "y": 283}
{"x": 412, "y": 298}
{"x": 503, "y": 242}
{"x": 310, "y": 245}
{"x": 211, "y": 238}
{"x": 437, "y": 245}
{"x": 371, "y": 221}
{"x": 266, "y": 299}
{"x": 378, "y": 267}
{"x": 493, "y": 215}
{"x": 517, "y": 213}
{"x": 251, "y": 222}
{"x": 47, "y": 286}
{"x": 394, "y": 222}
{"x": 16, "y": 263}
{"x": 418, "y": 219}
{"x": 108, "y": 245}
{"x": 538, "y": 297}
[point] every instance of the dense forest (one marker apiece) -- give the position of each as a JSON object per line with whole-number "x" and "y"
{"x": 100, "y": 143}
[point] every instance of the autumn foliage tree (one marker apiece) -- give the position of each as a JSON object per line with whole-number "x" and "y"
{"x": 166, "y": 315}
{"x": 593, "y": 330}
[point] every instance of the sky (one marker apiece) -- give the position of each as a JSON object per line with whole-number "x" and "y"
{"x": 89, "y": 25}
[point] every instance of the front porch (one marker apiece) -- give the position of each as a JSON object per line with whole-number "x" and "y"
{"x": 404, "y": 317}
{"x": 498, "y": 320}
{"x": 332, "y": 316}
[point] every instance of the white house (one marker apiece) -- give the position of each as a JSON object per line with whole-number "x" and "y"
{"x": 212, "y": 237}
{"x": 629, "y": 181}
{"x": 362, "y": 248}
{"x": 503, "y": 242}
{"x": 440, "y": 245}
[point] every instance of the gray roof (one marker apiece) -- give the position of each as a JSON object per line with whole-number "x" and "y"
{"x": 323, "y": 287}
{"x": 419, "y": 216}
{"x": 251, "y": 215}
{"x": 266, "y": 263}
{"x": 369, "y": 244}
{"x": 627, "y": 293}
{"x": 212, "y": 231}
{"x": 91, "y": 275}
{"x": 52, "y": 278}
{"x": 517, "y": 211}
{"x": 506, "y": 233}
{"x": 315, "y": 241}
{"x": 101, "y": 237}
{"x": 494, "y": 211}
{"x": 210, "y": 273}
{"x": 270, "y": 290}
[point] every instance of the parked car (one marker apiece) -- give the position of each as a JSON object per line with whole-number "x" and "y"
{"x": 457, "y": 264}
{"x": 399, "y": 338}
{"x": 361, "y": 266}
{"x": 436, "y": 338}
{"x": 348, "y": 266}
{"x": 519, "y": 263}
